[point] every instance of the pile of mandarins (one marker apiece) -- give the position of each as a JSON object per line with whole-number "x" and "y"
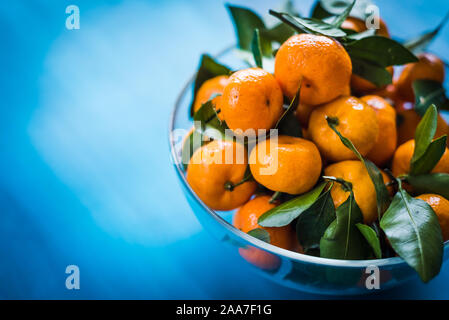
{"x": 368, "y": 116}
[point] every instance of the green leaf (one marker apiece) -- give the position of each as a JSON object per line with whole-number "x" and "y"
{"x": 256, "y": 49}
{"x": 318, "y": 12}
{"x": 380, "y": 51}
{"x": 248, "y": 58}
{"x": 337, "y": 22}
{"x": 414, "y": 233}
{"x": 342, "y": 239}
{"x": 289, "y": 7}
{"x": 428, "y": 92}
{"x": 420, "y": 43}
{"x": 382, "y": 195}
{"x": 425, "y": 131}
{"x": 208, "y": 68}
{"x": 430, "y": 158}
{"x": 358, "y": 36}
{"x": 312, "y": 26}
{"x": 207, "y": 122}
{"x": 245, "y": 21}
{"x": 286, "y": 212}
{"x": 371, "y": 72}
{"x": 372, "y": 239}
{"x": 279, "y": 33}
{"x": 260, "y": 234}
{"x": 288, "y": 124}
{"x": 313, "y": 222}
{"x": 437, "y": 183}
{"x": 207, "y": 126}
{"x": 336, "y": 7}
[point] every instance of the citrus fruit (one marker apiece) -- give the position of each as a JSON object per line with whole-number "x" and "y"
{"x": 208, "y": 89}
{"x": 215, "y": 171}
{"x": 357, "y": 121}
{"x": 355, "y": 172}
{"x": 389, "y": 92}
{"x": 403, "y": 155}
{"x": 303, "y": 113}
{"x": 429, "y": 67}
{"x": 247, "y": 215}
{"x": 320, "y": 64}
{"x": 363, "y": 86}
{"x": 358, "y": 84}
{"x": 386, "y": 141}
{"x": 440, "y": 206}
{"x": 291, "y": 165}
{"x": 246, "y": 218}
{"x": 359, "y": 25}
{"x": 408, "y": 120}
{"x": 252, "y": 99}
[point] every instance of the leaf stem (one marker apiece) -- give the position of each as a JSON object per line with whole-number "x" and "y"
{"x": 230, "y": 186}
{"x": 346, "y": 185}
{"x": 275, "y": 197}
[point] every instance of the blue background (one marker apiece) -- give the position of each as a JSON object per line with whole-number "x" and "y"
{"x": 85, "y": 175}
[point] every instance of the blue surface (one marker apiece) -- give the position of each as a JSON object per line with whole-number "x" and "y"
{"x": 85, "y": 175}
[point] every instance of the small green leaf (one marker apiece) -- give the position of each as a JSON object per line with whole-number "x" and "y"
{"x": 260, "y": 234}
{"x": 207, "y": 122}
{"x": 207, "y": 126}
{"x": 437, "y": 183}
{"x": 380, "y": 51}
{"x": 430, "y": 158}
{"x": 428, "y": 92}
{"x": 425, "y": 131}
{"x": 337, "y": 22}
{"x": 285, "y": 213}
{"x": 248, "y": 58}
{"x": 288, "y": 124}
{"x": 414, "y": 233}
{"x": 208, "y": 68}
{"x": 420, "y": 43}
{"x": 245, "y": 21}
{"x": 256, "y": 49}
{"x": 313, "y": 222}
{"x": 372, "y": 239}
{"x": 382, "y": 195}
{"x": 379, "y": 76}
{"x": 336, "y": 7}
{"x": 342, "y": 239}
{"x": 312, "y": 26}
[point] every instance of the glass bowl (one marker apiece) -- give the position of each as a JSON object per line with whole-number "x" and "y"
{"x": 291, "y": 269}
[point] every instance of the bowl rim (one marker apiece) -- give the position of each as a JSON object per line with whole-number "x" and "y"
{"x": 296, "y": 256}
